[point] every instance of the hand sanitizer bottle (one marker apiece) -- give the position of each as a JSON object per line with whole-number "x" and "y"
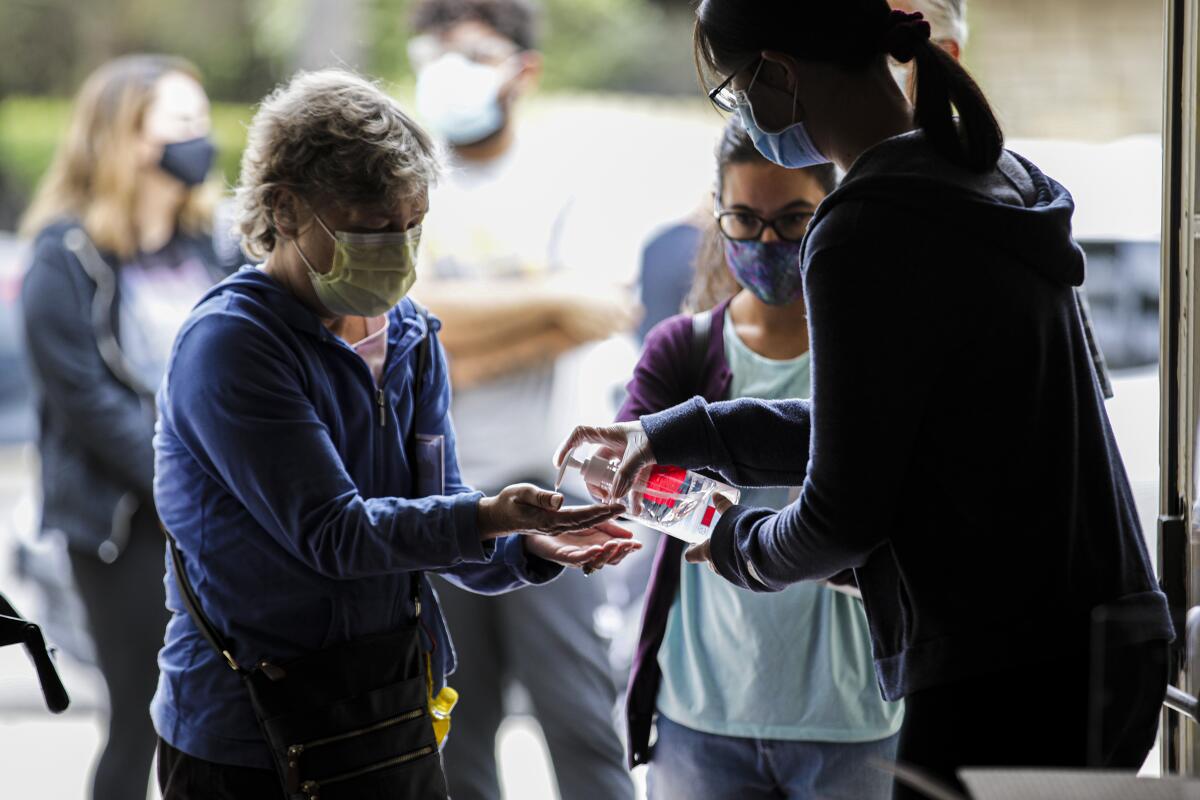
{"x": 672, "y": 500}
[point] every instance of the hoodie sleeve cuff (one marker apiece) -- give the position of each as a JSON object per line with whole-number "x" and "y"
{"x": 679, "y": 435}
{"x": 725, "y": 552}
{"x": 465, "y": 516}
{"x": 531, "y": 569}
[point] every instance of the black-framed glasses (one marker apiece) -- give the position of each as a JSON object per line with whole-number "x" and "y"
{"x": 746, "y": 226}
{"x": 725, "y": 97}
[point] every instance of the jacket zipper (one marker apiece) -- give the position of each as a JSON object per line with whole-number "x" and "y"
{"x": 295, "y": 751}
{"x": 122, "y": 523}
{"x": 312, "y": 789}
{"x": 379, "y": 398}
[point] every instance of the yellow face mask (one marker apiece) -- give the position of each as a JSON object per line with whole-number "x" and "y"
{"x": 371, "y": 272}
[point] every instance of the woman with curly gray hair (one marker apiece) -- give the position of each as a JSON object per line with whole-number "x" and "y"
{"x": 306, "y": 476}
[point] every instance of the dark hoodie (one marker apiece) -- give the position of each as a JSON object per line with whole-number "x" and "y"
{"x": 956, "y": 452}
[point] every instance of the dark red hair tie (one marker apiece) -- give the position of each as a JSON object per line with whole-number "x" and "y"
{"x": 904, "y": 33}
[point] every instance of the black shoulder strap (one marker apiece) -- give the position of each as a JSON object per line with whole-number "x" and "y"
{"x": 423, "y": 355}
{"x": 701, "y": 332}
{"x": 192, "y": 603}
{"x": 423, "y": 352}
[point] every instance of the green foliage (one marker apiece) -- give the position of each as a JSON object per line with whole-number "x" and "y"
{"x": 611, "y": 45}
{"x": 245, "y": 47}
{"x": 31, "y": 128}
{"x": 618, "y": 45}
{"x": 49, "y": 46}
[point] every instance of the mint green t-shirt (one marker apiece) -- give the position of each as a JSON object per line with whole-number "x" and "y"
{"x": 793, "y": 665}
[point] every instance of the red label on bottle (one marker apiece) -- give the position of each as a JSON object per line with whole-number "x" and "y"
{"x": 709, "y": 513}
{"x": 663, "y": 484}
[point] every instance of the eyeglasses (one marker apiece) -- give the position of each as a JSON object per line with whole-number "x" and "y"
{"x": 725, "y": 97}
{"x": 746, "y": 226}
{"x": 424, "y": 50}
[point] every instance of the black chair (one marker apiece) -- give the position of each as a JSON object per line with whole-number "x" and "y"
{"x": 15, "y": 629}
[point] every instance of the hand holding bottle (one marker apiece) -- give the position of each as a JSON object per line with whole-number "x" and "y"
{"x": 669, "y": 499}
{"x": 701, "y": 552}
{"x": 625, "y": 440}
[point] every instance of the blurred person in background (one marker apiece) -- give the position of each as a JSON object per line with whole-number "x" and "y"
{"x": 293, "y": 418}
{"x": 717, "y": 664}
{"x": 667, "y": 268}
{"x": 513, "y": 309}
{"x": 122, "y": 250}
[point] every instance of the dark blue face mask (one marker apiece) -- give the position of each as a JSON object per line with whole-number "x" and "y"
{"x": 189, "y": 161}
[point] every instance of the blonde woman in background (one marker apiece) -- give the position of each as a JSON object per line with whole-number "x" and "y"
{"x": 121, "y": 251}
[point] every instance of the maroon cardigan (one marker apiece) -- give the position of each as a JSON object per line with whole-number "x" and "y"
{"x": 662, "y": 380}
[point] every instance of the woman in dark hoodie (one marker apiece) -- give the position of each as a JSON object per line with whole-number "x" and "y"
{"x": 956, "y": 452}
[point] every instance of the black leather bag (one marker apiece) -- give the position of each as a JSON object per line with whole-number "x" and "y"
{"x": 349, "y": 721}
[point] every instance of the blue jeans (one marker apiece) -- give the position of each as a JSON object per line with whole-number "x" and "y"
{"x": 688, "y": 764}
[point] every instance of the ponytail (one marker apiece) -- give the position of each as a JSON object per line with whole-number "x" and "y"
{"x": 974, "y": 140}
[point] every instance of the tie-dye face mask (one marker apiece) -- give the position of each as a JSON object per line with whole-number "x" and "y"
{"x": 771, "y": 270}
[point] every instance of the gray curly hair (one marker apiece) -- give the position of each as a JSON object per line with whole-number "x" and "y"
{"x": 335, "y": 135}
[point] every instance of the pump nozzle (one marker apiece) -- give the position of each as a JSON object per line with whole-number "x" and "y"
{"x": 569, "y": 460}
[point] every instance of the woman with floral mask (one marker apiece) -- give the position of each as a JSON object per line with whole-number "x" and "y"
{"x": 123, "y": 248}
{"x": 956, "y": 452}
{"x": 715, "y": 662}
{"x": 306, "y": 472}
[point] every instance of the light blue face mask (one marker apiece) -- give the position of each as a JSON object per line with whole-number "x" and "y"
{"x": 791, "y": 147}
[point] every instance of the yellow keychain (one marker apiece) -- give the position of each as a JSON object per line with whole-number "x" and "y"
{"x": 440, "y": 706}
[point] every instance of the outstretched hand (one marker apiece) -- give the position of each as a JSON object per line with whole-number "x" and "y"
{"x": 605, "y": 544}
{"x": 524, "y": 507}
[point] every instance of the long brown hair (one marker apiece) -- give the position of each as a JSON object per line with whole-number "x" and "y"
{"x": 852, "y": 34}
{"x": 94, "y": 173}
{"x": 713, "y": 282}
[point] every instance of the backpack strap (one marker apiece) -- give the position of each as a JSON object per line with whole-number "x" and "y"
{"x": 423, "y": 353}
{"x": 701, "y": 333}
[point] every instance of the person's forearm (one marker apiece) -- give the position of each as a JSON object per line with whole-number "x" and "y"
{"x": 507, "y": 356}
{"x": 751, "y": 442}
{"x": 475, "y": 314}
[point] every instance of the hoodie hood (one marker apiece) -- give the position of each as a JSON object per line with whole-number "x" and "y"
{"x": 1015, "y": 208}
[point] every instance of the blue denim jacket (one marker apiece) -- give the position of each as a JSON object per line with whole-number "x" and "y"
{"x": 282, "y": 472}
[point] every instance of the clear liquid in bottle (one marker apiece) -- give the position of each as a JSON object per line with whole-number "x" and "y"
{"x": 671, "y": 499}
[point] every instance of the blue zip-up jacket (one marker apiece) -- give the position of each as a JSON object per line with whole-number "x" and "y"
{"x": 956, "y": 452}
{"x": 282, "y": 472}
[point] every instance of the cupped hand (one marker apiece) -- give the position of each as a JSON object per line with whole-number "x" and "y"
{"x": 626, "y": 440}
{"x": 606, "y": 544}
{"x": 526, "y": 508}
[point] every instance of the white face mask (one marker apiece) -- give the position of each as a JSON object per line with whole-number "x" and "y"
{"x": 460, "y": 99}
{"x": 371, "y": 272}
